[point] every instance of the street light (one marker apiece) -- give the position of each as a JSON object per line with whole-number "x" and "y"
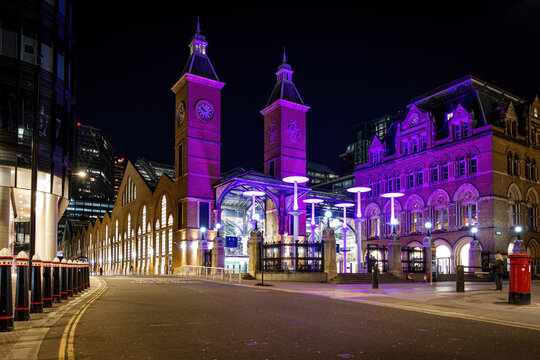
{"x": 344, "y": 228}
{"x": 428, "y": 227}
{"x": 358, "y": 190}
{"x": 474, "y": 230}
{"x": 518, "y": 241}
{"x": 327, "y": 215}
{"x": 393, "y": 220}
{"x": 296, "y": 212}
{"x": 202, "y": 230}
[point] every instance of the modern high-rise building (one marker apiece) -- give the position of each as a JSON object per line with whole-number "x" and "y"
{"x": 357, "y": 152}
{"x": 92, "y": 189}
{"x": 36, "y": 83}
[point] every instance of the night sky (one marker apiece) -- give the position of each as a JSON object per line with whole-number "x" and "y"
{"x": 351, "y": 65}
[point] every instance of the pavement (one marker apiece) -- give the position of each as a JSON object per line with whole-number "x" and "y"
{"x": 479, "y": 302}
{"x": 25, "y": 340}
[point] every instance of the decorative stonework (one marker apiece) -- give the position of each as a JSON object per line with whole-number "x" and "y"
{"x": 271, "y": 134}
{"x": 293, "y": 131}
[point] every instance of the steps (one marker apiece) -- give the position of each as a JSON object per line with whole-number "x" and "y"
{"x": 365, "y": 278}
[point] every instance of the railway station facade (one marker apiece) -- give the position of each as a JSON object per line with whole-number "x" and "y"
{"x": 464, "y": 155}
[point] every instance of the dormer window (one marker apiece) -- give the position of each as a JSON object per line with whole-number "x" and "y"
{"x": 457, "y": 131}
{"x": 465, "y": 129}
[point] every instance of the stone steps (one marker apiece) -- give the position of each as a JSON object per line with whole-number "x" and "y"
{"x": 365, "y": 278}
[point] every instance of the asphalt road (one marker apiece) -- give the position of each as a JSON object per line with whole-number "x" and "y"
{"x": 176, "y": 318}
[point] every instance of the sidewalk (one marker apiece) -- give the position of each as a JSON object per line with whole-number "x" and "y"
{"x": 479, "y": 301}
{"x": 24, "y": 341}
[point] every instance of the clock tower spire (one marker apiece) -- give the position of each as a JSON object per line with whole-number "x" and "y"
{"x": 197, "y": 147}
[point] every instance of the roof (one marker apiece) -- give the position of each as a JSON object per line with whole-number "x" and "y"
{"x": 200, "y": 65}
{"x": 152, "y": 171}
{"x": 285, "y": 90}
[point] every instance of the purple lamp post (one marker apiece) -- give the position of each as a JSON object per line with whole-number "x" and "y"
{"x": 295, "y": 180}
{"x": 392, "y": 196}
{"x": 313, "y": 224}
{"x": 344, "y": 228}
{"x": 253, "y": 194}
{"x": 358, "y": 190}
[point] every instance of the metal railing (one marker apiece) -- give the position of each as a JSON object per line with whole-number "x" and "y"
{"x": 209, "y": 272}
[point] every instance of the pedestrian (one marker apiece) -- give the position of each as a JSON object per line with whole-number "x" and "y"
{"x": 498, "y": 271}
{"x": 100, "y": 271}
{"x": 131, "y": 269}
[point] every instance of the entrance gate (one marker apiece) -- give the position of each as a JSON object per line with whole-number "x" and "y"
{"x": 279, "y": 257}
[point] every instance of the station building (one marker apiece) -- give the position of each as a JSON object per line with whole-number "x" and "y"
{"x": 464, "y": 155}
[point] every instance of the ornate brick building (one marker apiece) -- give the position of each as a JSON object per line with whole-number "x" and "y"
{"x": 464, "y": 154}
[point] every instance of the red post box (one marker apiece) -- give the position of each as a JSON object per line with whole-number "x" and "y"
{"x": 520, "y": 279}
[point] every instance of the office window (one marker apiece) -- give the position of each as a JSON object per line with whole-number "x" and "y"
{"x": 60, "y": 66}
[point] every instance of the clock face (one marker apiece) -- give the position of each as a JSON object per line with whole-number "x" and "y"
{"x": 414, "y": 119}
{"x": 181, "y": 113}
{"x": 205, "y": 110}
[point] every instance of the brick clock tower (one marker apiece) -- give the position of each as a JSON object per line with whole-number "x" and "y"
{"x": 285, "y": 136}
{"x": 197, "y": 149}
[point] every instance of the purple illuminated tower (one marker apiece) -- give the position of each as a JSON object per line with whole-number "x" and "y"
{"x": 197, "y": 143}
{"x": 285, "y": 132}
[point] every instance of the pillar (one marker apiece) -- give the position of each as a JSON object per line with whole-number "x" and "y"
{"x": 51, "y": 226}
{"x": 255, "y": 243}
{"x": 5, "y": 211}
{"x": 475, "y": 256}
{"x": 329, "y": 251}
{"x": 395, "y": 265}
{"x": 218, "y": 253}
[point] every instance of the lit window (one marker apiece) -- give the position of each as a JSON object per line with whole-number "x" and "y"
{"x": 441, "y": 219}
{"x": 449, "y": 115}
{"x": 468, "y": 215}
{"x": 535, "y": 112}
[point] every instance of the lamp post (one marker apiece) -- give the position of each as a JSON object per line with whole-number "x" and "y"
{"x": 328, "y": 215}
{"x": 358, "y": 190}
{"x": 313, "y": 224}
{"x": 344, "y": 228}
{"x": 393, "y": 220}
{"x": 518, "y": 242}
{"x": 430, "y": 253}
{"x": 253, "y": 194}
{"x": 296, "y": 212}
{"x": 474, "y": 230}
{"x": 218, "y": 226}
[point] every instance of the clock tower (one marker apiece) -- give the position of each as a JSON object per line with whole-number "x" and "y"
{"x": 197, "y": 147}
{"x": 285, "y": 142}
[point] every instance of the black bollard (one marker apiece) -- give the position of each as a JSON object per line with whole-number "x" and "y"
{"x": 64, "y": 280}
{"x": 375, "y": 278}
{"x": 56, "y": 280}
{"x": 87, "y": 275}
{"x": 6, "y": 294}
{"x": 36, "y": 303}
{"x": 47, "y": 288}
{"x": 69, "y": 268}
{"x": 75, "y": 266}
{"x": 22, "y": 309}
{"x": 460, "y": 281}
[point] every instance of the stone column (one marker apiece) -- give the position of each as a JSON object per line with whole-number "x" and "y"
{"x": 201, "y": 252}
{"x": 394, "y": 256}
{"x": 475, "y": 256}
{"x": 329, "y": 244}
{"x": 51, "y": 226}
{"x": 5, "y": 211}
{"x": 218, "y": 253}
{"x": 41, "y": 223}
{"x": 255, "y": 252}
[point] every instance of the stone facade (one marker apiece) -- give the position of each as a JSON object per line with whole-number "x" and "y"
{"x": 464, "y": 155}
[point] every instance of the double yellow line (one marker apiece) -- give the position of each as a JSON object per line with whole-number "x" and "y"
{"x": 66, "y": 344}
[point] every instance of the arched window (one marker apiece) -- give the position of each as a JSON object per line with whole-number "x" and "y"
{"x": 468, "y": 208}
{"x": 528, "y": 169}
{"x": 461, "y": 166}
{"x": 509, "y": 164}
{"x": 411, "y": 179}
{"x": 415, "y": 217}
{"x": 434, "y": 173}
{"x": 444, "y": 174}
{"x": 420, "y": 177}
{"x": 473, "y": 164}
{"x": 373, "y": 223}
{"x": 398, "y": 182}
{"x": 389, "y": 184}
{"x": 516, "y": 167}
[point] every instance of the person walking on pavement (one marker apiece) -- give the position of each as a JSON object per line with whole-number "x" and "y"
{"x": 498, "y": 271}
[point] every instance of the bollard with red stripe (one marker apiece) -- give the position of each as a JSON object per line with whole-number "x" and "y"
{"x": 36, "y": 302}
{"x": 6, "y": 294}
{"x": 87, "y": 278}
{"x": 47, "y": 288}
{"x": 56, "y": 280}
{"x": 69, "y": 268}
{"x": 81, "y": 276}
{"x": 75, "y": 265}
{"x": 64, "y": 280}
{"x": 22, "y": 308}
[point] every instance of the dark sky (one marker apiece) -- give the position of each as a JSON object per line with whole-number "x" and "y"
{"x": 351, "y": 65}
